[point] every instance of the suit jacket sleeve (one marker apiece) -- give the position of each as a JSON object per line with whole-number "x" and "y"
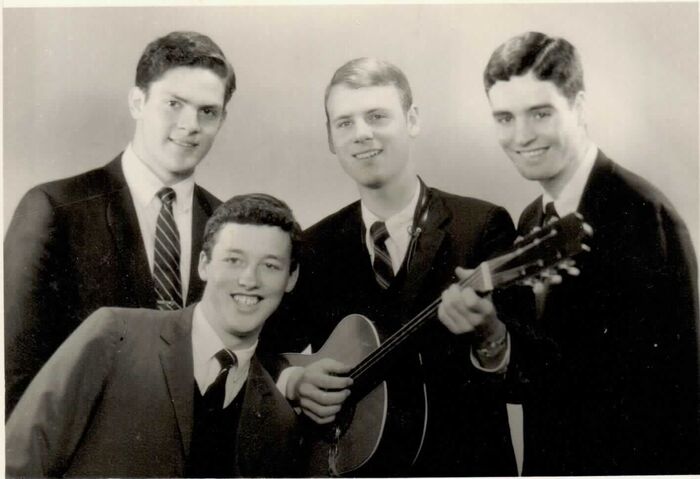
{"x": 46, "y": 426}
{"x": 32, "y": 312}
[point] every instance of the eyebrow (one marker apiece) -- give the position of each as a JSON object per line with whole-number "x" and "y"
{"x": 185, "y": 100}
{"x": 532, "y": 108}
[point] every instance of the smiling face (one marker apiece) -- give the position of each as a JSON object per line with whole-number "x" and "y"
{"x": 539, "y": 129}
{"x": 246, "y": 277}
{"x": 371, "y": 133}
{"x": 177, "y": 120}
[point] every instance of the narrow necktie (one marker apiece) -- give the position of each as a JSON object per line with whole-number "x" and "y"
{"x": 550, "y": 214}
{"x": 216, "y": 392}
{"x": 383, "y": 271}
{"x": 166, "y": 257}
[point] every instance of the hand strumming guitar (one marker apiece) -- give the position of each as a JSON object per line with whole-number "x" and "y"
{"x": 319, "y": 389}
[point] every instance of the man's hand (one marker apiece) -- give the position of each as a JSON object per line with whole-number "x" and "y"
{"x": 320, "y": 389}
{"x": 463, "y": 311}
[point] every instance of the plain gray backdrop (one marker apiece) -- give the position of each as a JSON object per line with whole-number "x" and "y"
{"x": 67, "y": 72}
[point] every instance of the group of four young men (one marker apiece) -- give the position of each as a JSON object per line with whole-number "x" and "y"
{"x": 605, "y": 364}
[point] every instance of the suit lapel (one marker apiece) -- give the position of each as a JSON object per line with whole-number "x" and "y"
{"x": 417, "y": 267}
{"x": 130, "y": 251}
{"x": 596, "y": 195}
{"x": 176, "y": 360}
{"x": 201, "y": 211}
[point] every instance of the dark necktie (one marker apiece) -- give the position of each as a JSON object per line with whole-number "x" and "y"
{"x": 166, "y": 257}
{"x": 383, "y": 271}
{"x": 216, "y": 392}
{"x": 550, "y": 214}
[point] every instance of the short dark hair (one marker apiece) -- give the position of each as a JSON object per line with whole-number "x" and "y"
{"x": 253, "y": 209}
{"x": 549, "y": 58}
{"x": 365, "y": 72}
{"x": 183, "y": 49}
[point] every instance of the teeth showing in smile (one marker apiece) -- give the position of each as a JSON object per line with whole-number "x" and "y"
{"x": 184, "y": 144}
{"x": 367, "y": 154}
{"x": 532, "y": 153}
{"x": 246, "y": 300}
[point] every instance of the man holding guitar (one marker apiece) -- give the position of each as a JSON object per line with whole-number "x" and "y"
{"x": 387, "y": 257}
{"x": 621, "y": 395}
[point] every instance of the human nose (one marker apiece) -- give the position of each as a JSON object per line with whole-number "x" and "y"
{"x": 363, "y": 131}
{"x": 248, "y": 277}
{"x": 524, "y": 134}
{"x": 188, "y": 120}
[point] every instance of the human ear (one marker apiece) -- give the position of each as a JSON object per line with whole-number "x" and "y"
{"x": 413, "y": 121}
{"x": 137, "y": 97}
{"x": 292, "y": 281}
{"x": 202, "y": 266}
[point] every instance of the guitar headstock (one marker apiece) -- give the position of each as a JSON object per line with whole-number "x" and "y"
{"x": 540, "y": 256}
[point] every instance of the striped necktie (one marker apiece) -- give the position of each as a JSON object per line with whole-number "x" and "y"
{"x": 166, "y": 258}
{"x": 383, "y": 271}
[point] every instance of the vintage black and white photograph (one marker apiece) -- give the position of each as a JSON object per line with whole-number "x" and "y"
{"x": 363, "y": 239}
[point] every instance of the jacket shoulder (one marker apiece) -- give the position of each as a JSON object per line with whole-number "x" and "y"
{"x": 458, "y": 203}
{"x": 335, "y": 222}
{"x": 75, "y": 189}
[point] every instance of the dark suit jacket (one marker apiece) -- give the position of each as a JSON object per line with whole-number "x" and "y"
{"x": 620, "y": 396}
{"x": 117, "y": 400}
{"x": 467, "y": 425}
{"x": 73, "y": 246}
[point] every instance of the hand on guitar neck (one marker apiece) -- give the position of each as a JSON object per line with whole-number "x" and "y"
{"x": 462, "y": 310}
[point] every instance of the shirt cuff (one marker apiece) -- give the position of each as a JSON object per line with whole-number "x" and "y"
{"x": 284, "y": 379}
{"x": 500, "y": 367}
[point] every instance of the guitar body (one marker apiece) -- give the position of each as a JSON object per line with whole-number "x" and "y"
{"x": 352, "y": 340}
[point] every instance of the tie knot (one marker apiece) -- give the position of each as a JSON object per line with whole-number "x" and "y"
{"x": 166, "y": 195}
{"x": 378, "y": 232}
{"x": 550, "y": 210}
{"x": 227, "y": 359}
{"x": 550, "y": 214}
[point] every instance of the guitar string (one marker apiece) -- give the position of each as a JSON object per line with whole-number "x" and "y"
{"x": 394, "y": 340}
{"x": 409, "y": 328}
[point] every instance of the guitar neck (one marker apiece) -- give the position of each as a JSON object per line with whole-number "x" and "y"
{"x": 541, "y": 250}
{"x": 479, "y": 280}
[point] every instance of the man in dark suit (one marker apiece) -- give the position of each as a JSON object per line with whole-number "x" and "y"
{"x": 620, "y": 395}
{"x": 119, "y": 399}
{"x": 88, "y": 241}
{"x": 444, "y": 416}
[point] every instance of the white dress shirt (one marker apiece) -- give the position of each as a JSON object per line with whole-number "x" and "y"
{"x": 205, "y": 344}
{"x": 144, "y": 186}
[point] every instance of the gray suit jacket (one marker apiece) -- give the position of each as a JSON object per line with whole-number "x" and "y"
{"x": 116, "y": 399}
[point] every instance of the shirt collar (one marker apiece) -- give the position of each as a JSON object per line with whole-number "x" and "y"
{"x": 571, "y": 194}
{"x": 144, "y": 184}
{"x": 397, "y": 223}
{"x": 205, "y": 344}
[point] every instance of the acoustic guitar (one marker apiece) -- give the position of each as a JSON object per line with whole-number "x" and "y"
{"x": 351, "y": 441}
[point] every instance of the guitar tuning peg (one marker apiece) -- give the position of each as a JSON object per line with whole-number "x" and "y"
{"x": 588, "y": 229}
{"x": 586, "y": 248}
{"x": 535, "y": 229}
{"x": 519, "y": 239}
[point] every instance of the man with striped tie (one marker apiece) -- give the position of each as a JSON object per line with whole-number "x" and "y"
{"x": 125, "y": 234}
{"x": 142, "y": 392}
{"x": 387, "y": 257}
